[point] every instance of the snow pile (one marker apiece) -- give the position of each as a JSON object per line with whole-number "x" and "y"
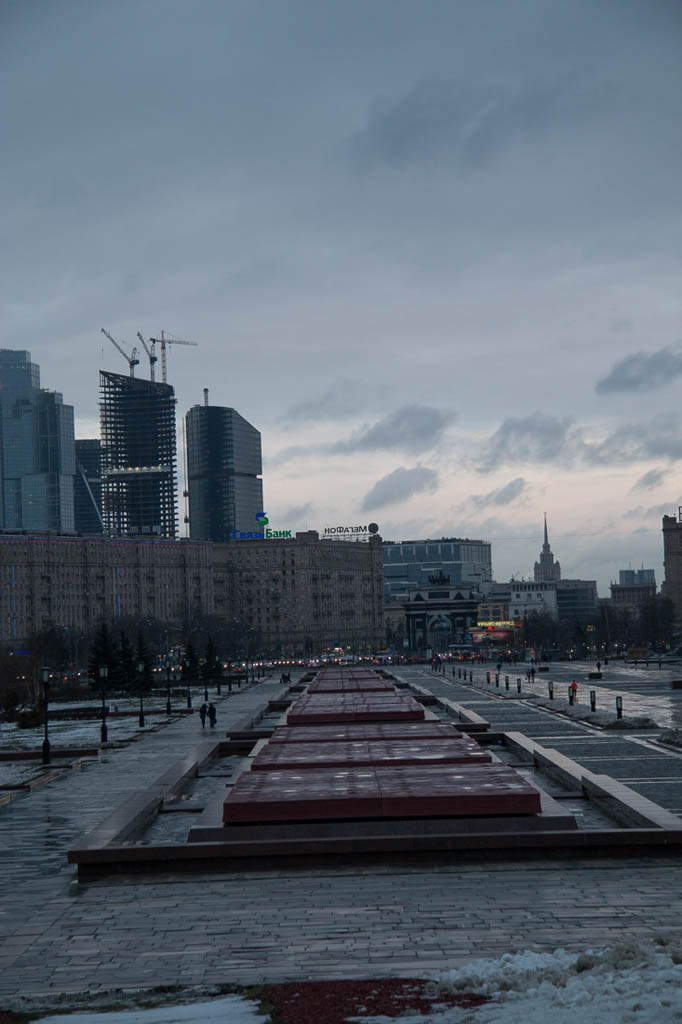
{"x": 226, "y": 1010}
{"x": 606, "y": 719}
{"x": 627, "y": 984}
{"x": 631, "y": 982}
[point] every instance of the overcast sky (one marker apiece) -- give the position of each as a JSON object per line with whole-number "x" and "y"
{"x": 430, "y": 249}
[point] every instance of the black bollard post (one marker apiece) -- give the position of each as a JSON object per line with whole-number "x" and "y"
{"x": 593, "y": 700}
{"x": 506, "y": 682}
{"x": 570, "y": 695}
{"x": 619, "y": 707}
{"x": 497, "y": 679}
{"x": 518, "y": 684}
{"x": 471, "y": 677}
{"x": 550, "y": 689}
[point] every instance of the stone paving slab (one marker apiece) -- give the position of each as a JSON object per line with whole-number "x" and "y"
{"x": 58, "y": 935}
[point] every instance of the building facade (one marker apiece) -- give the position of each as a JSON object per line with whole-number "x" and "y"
{"x": 304, "y": 595}
{"x": 224, "y": 467}
{"x": 37, "y": 450}
{"x": 577, "y": 600}
{"x": 139, "y": 477}
{"x": 527, "y": 597}
{"x": 295, "y": 596}
{"x": 438, "y": 617}
{"x": 409, "y": 564}
{"x": 76, "y": 582}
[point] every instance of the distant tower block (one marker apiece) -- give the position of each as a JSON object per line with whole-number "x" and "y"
{"x": 224, "y": 468}
{"x": 546, "y": 570}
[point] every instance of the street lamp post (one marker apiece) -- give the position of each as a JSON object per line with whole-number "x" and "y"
{"x": 45, "y": 680}
{"x": 168, "y": 678}
{"x": 140, "y": 672}
{"x": 103, "y": 673}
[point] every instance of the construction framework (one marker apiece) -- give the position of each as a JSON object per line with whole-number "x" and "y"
{"x": 139, "y": 471}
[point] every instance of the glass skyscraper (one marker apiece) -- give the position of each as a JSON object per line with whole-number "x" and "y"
{"x": 37, "y": 450}
{"x": 224, "y": 468}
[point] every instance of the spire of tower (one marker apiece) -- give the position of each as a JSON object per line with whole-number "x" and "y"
{"x": 546, "y": 538}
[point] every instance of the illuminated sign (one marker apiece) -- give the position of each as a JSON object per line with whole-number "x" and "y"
{"x": 499, "y": 625}
{"x": 265, "y": 534}
{"x": 342, "y": 531}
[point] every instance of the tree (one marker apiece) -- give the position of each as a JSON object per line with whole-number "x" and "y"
{"x": 126, "y": 662}
{"x": 190, "y": 662}
{"x": 211, "y": 667}
{"x": 102, "y": 653}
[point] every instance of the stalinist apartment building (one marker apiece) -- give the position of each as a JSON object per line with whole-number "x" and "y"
{"x": 296, "y": 595}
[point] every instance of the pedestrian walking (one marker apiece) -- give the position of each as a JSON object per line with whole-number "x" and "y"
{"x": 212, "y": 714}
{"x": 202, "y": 715}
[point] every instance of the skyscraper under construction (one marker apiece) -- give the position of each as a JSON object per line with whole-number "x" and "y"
{"x": 137, "y": 420}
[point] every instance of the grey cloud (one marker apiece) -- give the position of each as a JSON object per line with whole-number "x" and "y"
{"x": 649, "y": 481}
{"x": 659, "y": 438}
{"x": 642, "y": 371}
{"x": 540, "y": 437}
{"x": 400, "y": 485}
{"x": 666, "y": 508}
{"x": 413, "y": 428}
{"x": 343, "y": 399}
{"x": 466, "y": 124}
{"x": 501, "y": 496}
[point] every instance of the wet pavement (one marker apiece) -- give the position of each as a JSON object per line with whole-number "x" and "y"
{"x": 61, "y": 937}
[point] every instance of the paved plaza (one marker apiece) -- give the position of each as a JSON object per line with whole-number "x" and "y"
{"x": 64, "y": 937}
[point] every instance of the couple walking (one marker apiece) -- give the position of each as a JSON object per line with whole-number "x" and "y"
{"x": 211, "y": 712}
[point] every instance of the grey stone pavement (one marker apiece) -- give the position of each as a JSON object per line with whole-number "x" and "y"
{"x": 59, "y": 937}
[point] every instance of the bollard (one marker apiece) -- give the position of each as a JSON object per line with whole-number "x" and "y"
{"x": 471, "y": 677}
{"x": 518, "y": 684}
{"x": 497, "y": 679}
{"x": 453, "y": 670}
{"x": 593, "y": 700}
{"x": 550, "y": 690}
{"x": 506, "y": 682}
{"x": 487, "y": 677}
{"x": 619, "y": 707}
{"x": 570, "y": 695}
{"x": 460, "y": 673}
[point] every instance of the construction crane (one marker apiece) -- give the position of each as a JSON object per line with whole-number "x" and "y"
{"x": 163, "y": 341}
{"x": 151, "y": 353}
{"x": 131, "y": 359}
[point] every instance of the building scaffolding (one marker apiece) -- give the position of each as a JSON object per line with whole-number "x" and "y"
{"x": 139, "y": 470}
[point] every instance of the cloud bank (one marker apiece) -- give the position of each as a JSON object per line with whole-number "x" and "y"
{"x": 642, "y": 372}
{"x": 400, "y": 485}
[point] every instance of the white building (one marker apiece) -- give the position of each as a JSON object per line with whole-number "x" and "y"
{"x": 532, "y": 597}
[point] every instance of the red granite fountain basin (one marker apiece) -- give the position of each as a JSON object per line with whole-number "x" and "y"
{"x": 395, "y": 792}
{"x": 369, "y": 685}
{"x": 356, "y": 712}
{"x": 312, "y": 756}
{"x": 344, "y": 731}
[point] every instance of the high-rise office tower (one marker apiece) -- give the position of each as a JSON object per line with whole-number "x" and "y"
{"x": 137, "y": 420}
{"x": 224, "y": 468}
{"x": 87, "y": 489}
{"x": 37, "y": 450}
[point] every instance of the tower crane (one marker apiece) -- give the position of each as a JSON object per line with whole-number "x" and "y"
{"x": 163, "y": 341}
{"x": 131, "y": 359}
{"x": 151, "y": 353}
